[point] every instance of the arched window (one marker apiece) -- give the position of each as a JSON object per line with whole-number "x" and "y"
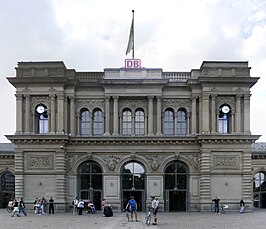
{"x": 90, "y": 182}
{"x": 224, "y": 119}
{"x": 127, "y": 122}
{"x": 259, "y": 189}
{"x": 7, "y": 182}
{"x": 169, "y": 122}
{"x": 139, "y": 122}
{"x": 42, "y": 119}
{"x": 133, "y": 175}
{"x": 84, "y": 122}
{"x": 97, "y": 122}
{"x": 181, "y": 125}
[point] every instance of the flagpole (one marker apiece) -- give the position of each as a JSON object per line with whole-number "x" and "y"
{"x": 133, "y": 35}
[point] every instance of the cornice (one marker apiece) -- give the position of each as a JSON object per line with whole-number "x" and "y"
{"x": 145, "y": 140}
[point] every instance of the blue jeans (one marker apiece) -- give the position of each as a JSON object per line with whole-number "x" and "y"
{"x": 216, "y": 208}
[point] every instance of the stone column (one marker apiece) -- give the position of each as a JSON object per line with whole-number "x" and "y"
{"x": 247, "y": 114}
{"x": 150, "y": 116}
{"x": 61, "y": 187}
{"x": 246, "y": 170}
{"x": 238, "y": 114}
{"x": 146, "y": 124}
{"x": 78, "y": 122}
{"x": 19, "y": 171}
{"x": 159, "y": 115}
{"x": 53, "y": 118}
{"x": 205, "y": 180}
{"x": 193, "y": 115}
{"x": 27, "y": 114}
{"x": 19, "y": 116}
{"x": 188, "y": 122}
{"x": 213, "y": 113}
{"x": 115, "y": 115}
{"x": 72, "y": 115}
{"x": 60, "y": 114}
{"x": 200, "y": 117}
{"x": 133, "y": 124}
{"x": 107, "y": 116}
{"x": 205, "y": 114}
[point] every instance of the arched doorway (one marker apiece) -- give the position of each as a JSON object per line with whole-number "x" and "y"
{"x": 175, "y": 186}
{"x": 259, "y": 190}
{"x": 133, "y": 178}
{"x": 7, "y": 188}
{"x": 90, "y": 182}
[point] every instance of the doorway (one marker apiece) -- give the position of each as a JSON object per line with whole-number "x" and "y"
{"x": 138, "y": 196}
{"x": 176, "y": 201}
{"x": 175, "y": 186}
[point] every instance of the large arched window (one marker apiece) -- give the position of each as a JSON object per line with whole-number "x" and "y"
{"x": 84, "y": 122}
{"x": 133, "y": 176}
{"x": 97, "y": 122}
{"x": 224, "y": 119}
{"x": 259, "y": 189}
{"x": 90, "y": 182}
{"x": 41, "y": 119}
{"x": 181, "y": 125}
{"x": 7, "y": 182}
{"x": 176, "y": 186}
{"x": 139, "y": 122}
{"x": 127, "y": 122}
{"x": 169, "y": 122}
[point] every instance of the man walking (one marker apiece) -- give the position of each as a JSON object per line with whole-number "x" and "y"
{"x": 133, "y": 208}
{"x": 155, "y": 207}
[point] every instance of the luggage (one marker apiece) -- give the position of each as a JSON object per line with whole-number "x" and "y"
{"x": 108, "y": 212}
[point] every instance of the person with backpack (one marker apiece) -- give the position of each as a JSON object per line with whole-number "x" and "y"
{"x": 75, "y": 205}
{"x": 132, "y": 204}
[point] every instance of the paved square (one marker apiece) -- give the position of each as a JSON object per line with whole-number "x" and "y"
{"x": 184, "y": 220}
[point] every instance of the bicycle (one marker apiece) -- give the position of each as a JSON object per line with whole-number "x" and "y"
{"x": 10, "y": 207}
{"x": 148, "y": 217}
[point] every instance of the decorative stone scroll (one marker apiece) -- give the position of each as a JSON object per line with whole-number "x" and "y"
{"x": 194, "y": 159}
{"x": 155, "y": 161}
{"x": 41, "y": 162}
{"x": 111, "y": 161}
{"x": 72, "y": 159}
{"x": 226, "y": 162}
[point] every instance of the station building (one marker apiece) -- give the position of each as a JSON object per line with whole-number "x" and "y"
{"x": 183, "y": 137}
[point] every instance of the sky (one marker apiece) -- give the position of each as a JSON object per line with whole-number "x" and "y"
{"x": 91, "y": 35}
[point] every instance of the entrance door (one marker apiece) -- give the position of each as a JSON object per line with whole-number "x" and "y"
{"x": 175, "y": 184}
{"x": 138, "y": 196}
{"x": 133, "y": 184}
{"x": 94, "y": 196}
{"x": 176, "y": 201}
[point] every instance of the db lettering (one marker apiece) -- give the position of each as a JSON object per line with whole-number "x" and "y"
{"x": 132, "y": 63}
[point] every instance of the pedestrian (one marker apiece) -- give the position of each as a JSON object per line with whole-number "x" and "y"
{"x": 80, "y": 206}
{"x": 51, "y": 205}
{"x": 75, "y": 205}
{"x": 21, "y": 207}
{"x": 242, "y": 206}
{"x": 104, "y": 205}
{"x": 132, "y": 204}
{"x": 38, "y": 206}
{"x": 155, "y": 207}
{"x": 43, "y": 205}
{"x": 216, "y": 205}
{"x": 16, "y": 209}
{"x": 91, "y": 207}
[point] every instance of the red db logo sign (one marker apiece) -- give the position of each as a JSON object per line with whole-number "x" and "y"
{"x": 132, "y": 63}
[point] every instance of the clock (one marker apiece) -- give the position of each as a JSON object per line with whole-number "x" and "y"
{"x": 225, "y": 109}
{"x": 40, "y": 109}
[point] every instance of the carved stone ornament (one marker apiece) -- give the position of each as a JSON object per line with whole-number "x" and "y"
{"x": 226, "y": 162}
{"x": 72, "y": 159}
{"x": 111, "y": 161}
{"x": 194, "y": 159}
{"x": 154, "y": 161}
{"x": 41, "y": 162}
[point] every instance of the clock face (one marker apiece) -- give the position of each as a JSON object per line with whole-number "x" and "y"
{"x": 225, "y": 109}
{"x": 40, "y": 109}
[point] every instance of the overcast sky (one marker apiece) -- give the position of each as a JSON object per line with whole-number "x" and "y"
{"x": 91, "y": 35}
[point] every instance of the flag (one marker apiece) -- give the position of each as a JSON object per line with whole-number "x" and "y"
{"x": 130, "y": 44}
